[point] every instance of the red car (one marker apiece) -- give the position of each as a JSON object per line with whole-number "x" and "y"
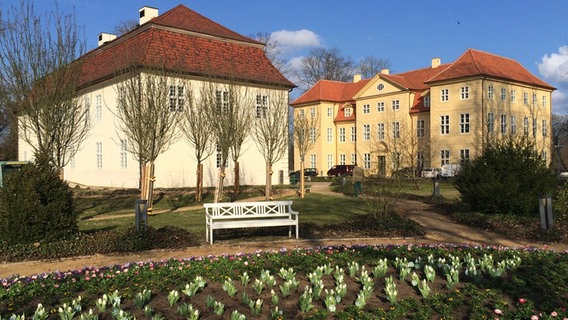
{"x": 341, "y": 170}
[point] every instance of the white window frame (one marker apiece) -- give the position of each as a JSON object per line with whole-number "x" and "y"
{"x": 123, "y": 154}
{"x": 490, "y": 122}
{"x": 329, "y": 135}
{"x": 526, "y": 126}
{"x": 445, "y": 95}
{"x": 544, "y": 128}
{"x": 177, "y": 98}
{"x": 396, "y": 104}
{"x": 464, "y": 93}
{"x": 444, "y": 156}
{"x": 544, "y": 102}
{"x": 329, "y": 161}
{"x": 444, "y": 124}
{"x": 513, "y": 95}
{"x": 99, "y": 156}
{"x": 503, "y": 94}
{"x": 535, "y": 127}
{"x": 341, "y": 134}
{"x": 262, "y": 105}
{"x": 98, "y": 107}
{"x": 347, "y": 111}
{"x": 342, "y": 158}
{"x": 464, "y": 122}
{"x": 366, "y": 108}
{"x": 381, "y": 106}
{"x": 503, "y": 123}
{"x": 366, "y": 132}
{"x": 513, "y": 124}
{"x": 490, "y": 91}
{"x": 381, "y": 131}
{"x": 526, "y": 98}
{"x": 420, "y": 128}
{"x": 329, "y": 112}
{"x": 427, "y": 101}
{"x": 313, "y": 162}
{"x": 396, "y": 130}
{"x": 367, "y": 161}
{"x": 464, "y": 154}
{"x": 353, "y": 134}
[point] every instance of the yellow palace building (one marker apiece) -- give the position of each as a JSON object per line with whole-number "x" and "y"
{"x": 429, "y": 117}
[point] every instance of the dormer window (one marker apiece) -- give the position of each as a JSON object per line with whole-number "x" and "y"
{"x": 348, "y": 111}
{"x": 427, "y": 101}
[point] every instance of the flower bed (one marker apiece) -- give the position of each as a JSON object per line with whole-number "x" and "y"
{"x": 362, "y": 282}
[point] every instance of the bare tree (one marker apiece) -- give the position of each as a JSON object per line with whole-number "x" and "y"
{"x": 197, "y": 131}
{"x": 149, "y": 103}
{"x": 39, "y": 72}
{"x": 125, "y": 27}
{"x": 270, "y": 131}
{"x": 229, "y": 111}
{"x": 369, "y": 66}
{"x": 559, "y": 124}
{"x": 306, "y": 132}
{"x": 273, "y": 52}
{"x": 322, "y": 63}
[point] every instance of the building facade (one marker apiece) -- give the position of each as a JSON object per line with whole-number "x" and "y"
{"x": 442, "y": 114}
{"x": 195, "y": 52}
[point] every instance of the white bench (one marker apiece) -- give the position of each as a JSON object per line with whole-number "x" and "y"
{"x": 231, "y": 215}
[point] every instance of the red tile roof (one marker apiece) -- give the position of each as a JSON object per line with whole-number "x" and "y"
{"x": 328, "y": 90}
{"x": 479, "y": 63}
{"x": 415, "y": 79}
{"x": 182, "y": 40}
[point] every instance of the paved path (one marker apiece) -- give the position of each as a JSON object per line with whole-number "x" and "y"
{"x": 439, "y": 229}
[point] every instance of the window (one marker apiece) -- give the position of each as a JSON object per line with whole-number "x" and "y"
{"x": 222, "y": 102}
{"x": 313, "y": 163}
{"x": 99, "y": 155}
{"x": 353, "y": 158}
{"x": 535, "y": 127}
{"x": 366, "y": 108}
{"x": 313, "y": 135}
{"x": 353, "y": 134}
{"x": 427, "y": 101}
{"x": 503, "y": 94}
{"x": 219, "y": 158}
{"x": 513, "y": 95}
{"x": 544, "y": 128}
{"x": 420, "y": 159}
{"x": 312, "y": 112}
{"x": 341, "y": 134}
{"x": 396, "y": 130}
{"x": 176, "y": 98}
{"x": 329, "y": 112}
{"x": 420, "y": 128}
{"x": 329, "y": 161}
{"x": 347, "y": 112}
{"x": 395, "y": 160}
{"x": 301, "y": 113}
{"x": 123, "y": 154}
{"x": 445, "y": 124}
{"x": 490, "y": 122}
{"x": 525, "y": 98}
{"x": 329, "y": 135}
{"x": 445, "y": 94}
{"x": 503, "y": 123}
{"x": 396, "y": 104}
{"x": 367, "y": 160}
{"x": 87, "y": 109}
{"x": 526, "y": 126}
{"x": 544, "y": 101}
{"x": 464, "y": 123}
{"x": 535, "y": 100}
{"x": 98, "y": 107}
{"x": 544, "y": 155}
{"x": 464, "y": 93}
{"x": 464, "y": 155}
{"x": 381, "y": 131}
{"x": 261, "y": 106}
{"x": 366, "y": 132}
{"x": 380, "y": 106}
{"x": 490, "y": 91}
{"x": 342, "y": 158}
{"x": 444, "y": 157}
{"x": 513, "y": 124}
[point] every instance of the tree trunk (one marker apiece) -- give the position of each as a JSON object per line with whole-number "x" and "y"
{"x": 237, "y": 179}
{"x": 268, "y": 187}
{"x": 220, "y": 181}
{"x": 302, "y": 191}
{"x": 199, "y": 183}
{"x": 150, "y": 184}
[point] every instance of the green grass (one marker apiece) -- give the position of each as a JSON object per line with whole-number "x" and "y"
{"x": 316, "y": 208}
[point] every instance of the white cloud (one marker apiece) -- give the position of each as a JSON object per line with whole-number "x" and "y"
{"x": 560, "y": 101}
{"x": 554, "y": 67}
{"x": 290, "y": 41}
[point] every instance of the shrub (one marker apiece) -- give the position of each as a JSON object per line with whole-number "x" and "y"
{"x": 36, "y": 205}
{"x": 507, "y": 178}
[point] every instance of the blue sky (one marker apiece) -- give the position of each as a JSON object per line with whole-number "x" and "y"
{"x": 408, "y": 33}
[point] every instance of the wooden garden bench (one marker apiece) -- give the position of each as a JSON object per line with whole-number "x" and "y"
{"x": 231, "y": 215}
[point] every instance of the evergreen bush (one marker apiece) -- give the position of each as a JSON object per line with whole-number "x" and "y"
{"x": 507, "y": 178}
{"x": 36, "y": 205}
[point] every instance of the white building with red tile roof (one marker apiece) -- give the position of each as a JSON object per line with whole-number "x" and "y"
{"x": 428, "y": 117}
{"x": 193, "y": 49}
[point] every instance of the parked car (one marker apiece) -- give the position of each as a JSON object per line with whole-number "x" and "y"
{"x": 308, "y": 173}
{"x": 431, "y": 173}
{"x": 450, "y": 169}
{"x": 341, "y": 170}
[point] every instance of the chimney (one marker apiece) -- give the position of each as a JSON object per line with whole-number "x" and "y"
{"x": 385, "y": 71}
{"x": 356, "y": 78}
{"x": 105, "y": 37}
{"x": 147, "y": 13}
{"x": 436, "y": 62}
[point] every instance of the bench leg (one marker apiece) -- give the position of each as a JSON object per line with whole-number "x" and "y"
{"x": 297, "y": 231}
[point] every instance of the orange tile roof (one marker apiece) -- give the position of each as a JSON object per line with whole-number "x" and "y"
{"x": 414, "y": 80}
{"x": 182, "y": 40}
{"x": 328, "y": 90}
{"x": 479, "y": 63}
